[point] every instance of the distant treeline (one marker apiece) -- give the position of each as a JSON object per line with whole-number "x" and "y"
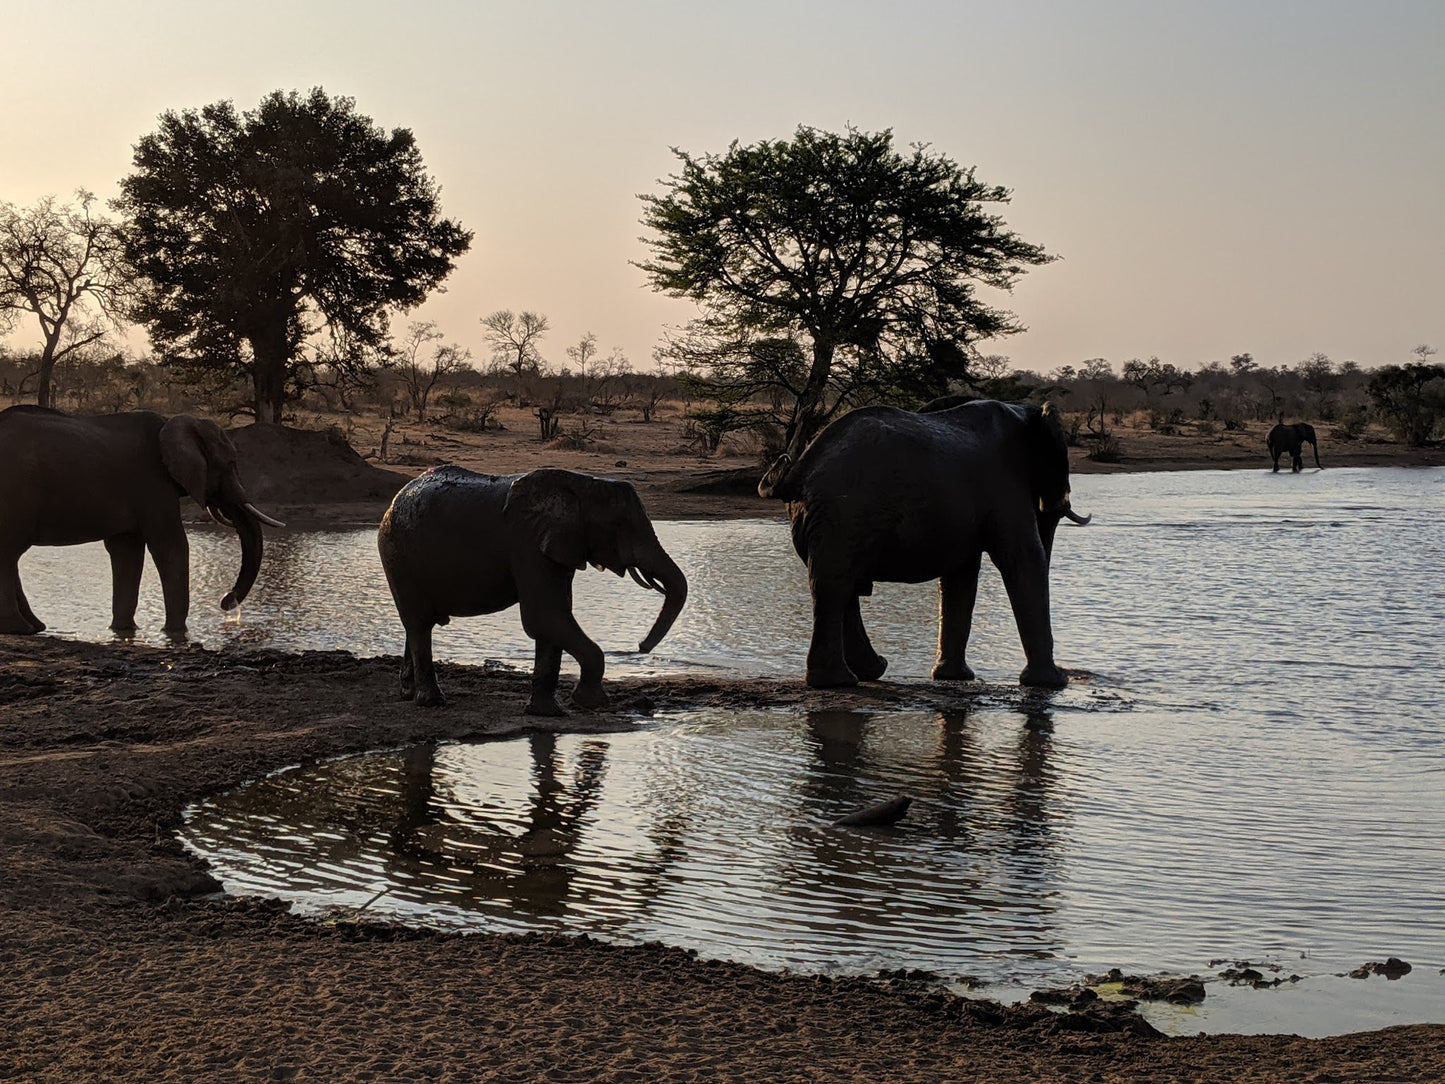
{"x": 1094, "y": 395}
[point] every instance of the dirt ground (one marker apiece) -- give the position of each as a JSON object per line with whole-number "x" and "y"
{"x": 119, "y": 963}
{"x": 676, "y": 482}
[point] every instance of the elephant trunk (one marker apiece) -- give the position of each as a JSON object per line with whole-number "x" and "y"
{"x": 248, "y": 527}
{"x": 660, "y": 570}
{"x": 1048, "y": 518}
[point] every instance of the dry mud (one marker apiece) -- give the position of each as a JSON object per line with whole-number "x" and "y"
{"x": 117, "y": 964}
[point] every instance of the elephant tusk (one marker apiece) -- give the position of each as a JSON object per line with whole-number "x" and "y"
{"x": 263, "y": 517}
{"x": 219, "y": 516}
{"x": 1082, "y": 521}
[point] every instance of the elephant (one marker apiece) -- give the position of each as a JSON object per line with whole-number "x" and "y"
{"x": 118, "y": 479}
{"x": 455, "y": 543}
{"x": 894, "y": 495}
{"x": 1291, "y": 438}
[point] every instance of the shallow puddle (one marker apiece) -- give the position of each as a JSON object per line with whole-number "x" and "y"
{"x": 1041, "y": 845}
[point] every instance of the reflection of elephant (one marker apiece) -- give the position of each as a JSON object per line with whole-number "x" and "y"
{"x": 1291, "y": 438}
{"x": 117, "y": 478}
{"x": 455, "y": 543}
{"x": 885, "y": 494}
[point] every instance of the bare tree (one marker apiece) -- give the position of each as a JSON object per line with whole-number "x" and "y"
{"x": 513, "y": 338}
{"x": 423, "y": 361}
{"x": 62, "y": 264}
{"x": 583, "y": 352}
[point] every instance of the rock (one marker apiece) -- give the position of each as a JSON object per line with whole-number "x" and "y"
{"x": 1392, "y": 968}
{"x": 889, "y": 812}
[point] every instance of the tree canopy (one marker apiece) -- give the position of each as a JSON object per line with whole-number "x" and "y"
{"x": 831, "y": 267}
{"x": 254, "y": 230}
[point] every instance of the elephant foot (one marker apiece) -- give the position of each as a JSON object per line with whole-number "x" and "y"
{"x": 830, "y": 678}
{"x": 590, "y": 697}
{"x": 949, "y": 670}
{"x": 868, "y": 669}
{"x": 1047, "y": 676}
{"x": 18, "y": 626}
{"x": 430, "y": 698}
{"x": 546, "y": 705}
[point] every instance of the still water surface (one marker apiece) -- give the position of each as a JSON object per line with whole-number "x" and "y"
{"x": 1252, "y": 770}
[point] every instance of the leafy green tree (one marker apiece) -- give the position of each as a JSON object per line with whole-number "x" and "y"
{"x": 1410, "y": 398}
{"x": 865, "y": 257}
{"x": 63, "y": 265}
{"x": 254, "y": 230}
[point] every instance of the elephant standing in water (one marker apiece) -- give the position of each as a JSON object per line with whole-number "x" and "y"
{"x": 118, "y": 478}
{"x": 887, "y": 494}
{"x": 455, "y": 543}
{"x": 1291, "y": 438}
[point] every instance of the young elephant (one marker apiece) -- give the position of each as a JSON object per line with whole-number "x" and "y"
{"x": 1292, "y": 439}
{"x": 893, "y": 495}
{"x": 455, "y": 543}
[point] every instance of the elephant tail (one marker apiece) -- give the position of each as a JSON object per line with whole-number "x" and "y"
{"x": 775, "y": 482}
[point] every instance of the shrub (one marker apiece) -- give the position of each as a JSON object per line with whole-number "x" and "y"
{"x": 1106, "y": 450}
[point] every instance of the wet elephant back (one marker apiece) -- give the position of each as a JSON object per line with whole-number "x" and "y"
{"x": 444, "y": 537}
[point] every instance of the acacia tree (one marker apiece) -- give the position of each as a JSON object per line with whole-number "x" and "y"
{"x": 513, "y": 338}
{"x": 866, "y": 257}
{"x": 253, "y": 230}
{"x": 63, "y": 265}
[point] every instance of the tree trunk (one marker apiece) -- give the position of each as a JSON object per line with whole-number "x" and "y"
{"x": 268, "y": 372}
{"x": 807, "y": 418}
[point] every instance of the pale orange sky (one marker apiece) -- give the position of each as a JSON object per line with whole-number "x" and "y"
{"x": 1217, "y": 177}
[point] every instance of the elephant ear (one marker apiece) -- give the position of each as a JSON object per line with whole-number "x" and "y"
{"x": 183, "y": 451}
{"x": 1048, "y": 452}
{"x": 550, "y": 512}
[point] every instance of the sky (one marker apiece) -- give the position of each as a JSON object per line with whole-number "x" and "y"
{"x": 1216, "y": 177}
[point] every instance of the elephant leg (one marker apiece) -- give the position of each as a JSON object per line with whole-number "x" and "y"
{"x": 418, "y": 640}
{"x": 858, "y": 653}
{"x": 1026, "y": 578}
{"x": 547, "y": 619}
{"x": 1274, "y": 455}
{"x": 171, "y": 553}
{"x": 956, "y": 594}
{"x": 827, "y": 665}
{"x": 408, "y": 672}
{"x": 36, "y": 625}
{"x": 1297, "y": 462}
{"x": 127, "y": 561}
{"x": 545, "y": 670}
{"x": 15, "y": 616}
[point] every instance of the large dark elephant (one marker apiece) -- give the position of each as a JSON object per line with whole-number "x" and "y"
{"x": 455, "y": 543}
{"x": 885, "y": 494}
{"x": 118, "y": 478}
{"x": 1291, "y": 438}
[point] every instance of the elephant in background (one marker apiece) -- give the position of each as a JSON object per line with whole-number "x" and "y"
{"x": 455, "y": 543}
{"x": 118, "y": 479}
{"x": 1291, "y": 438}
{"x": 887, "y": 494}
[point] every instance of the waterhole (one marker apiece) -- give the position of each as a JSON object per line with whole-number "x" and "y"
{"x": 1253, "y": 770}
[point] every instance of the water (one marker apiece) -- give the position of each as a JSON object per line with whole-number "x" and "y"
{"x": 1253, "y": 769}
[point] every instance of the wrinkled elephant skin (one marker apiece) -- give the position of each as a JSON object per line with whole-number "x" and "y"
{"x": 905, "y": 497}
{"x": 118, "y": 479}
{"x": 455, "y": 543}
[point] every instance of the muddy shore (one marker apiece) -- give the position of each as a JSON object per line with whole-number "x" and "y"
{"x": 117, "y": 963}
